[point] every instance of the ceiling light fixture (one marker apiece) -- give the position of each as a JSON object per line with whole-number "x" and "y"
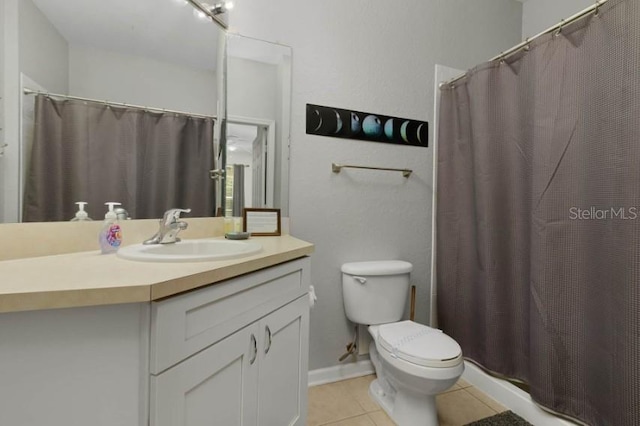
{"x": 219, "y": 8}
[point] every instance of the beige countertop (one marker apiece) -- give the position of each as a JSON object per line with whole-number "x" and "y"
{"x": 90, "y": 278}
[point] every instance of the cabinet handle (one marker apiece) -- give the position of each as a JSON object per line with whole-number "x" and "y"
{"x": 268, "y": 330}
{"x": 255, "y": 349}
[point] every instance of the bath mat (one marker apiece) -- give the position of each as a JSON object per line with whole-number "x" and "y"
{"x": 508, "y": 418}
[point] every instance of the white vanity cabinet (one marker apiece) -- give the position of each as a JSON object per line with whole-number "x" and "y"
{"x": 235, "y": 353}
{"x": 231, "y": 353}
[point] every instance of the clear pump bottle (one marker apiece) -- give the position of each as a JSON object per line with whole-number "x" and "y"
{"x": 81, "y": 214}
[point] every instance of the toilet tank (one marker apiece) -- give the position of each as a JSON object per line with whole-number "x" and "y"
{"x": 375, "y": 292}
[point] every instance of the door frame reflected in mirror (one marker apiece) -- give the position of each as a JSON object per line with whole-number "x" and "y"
{"x": 270, "y": 132}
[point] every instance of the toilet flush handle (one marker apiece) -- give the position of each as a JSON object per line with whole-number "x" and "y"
{"x": 361, "y": 280}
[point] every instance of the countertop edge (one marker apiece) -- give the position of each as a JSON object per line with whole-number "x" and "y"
{"x": 146, "y": 292}
{"x": 59, "y": 299}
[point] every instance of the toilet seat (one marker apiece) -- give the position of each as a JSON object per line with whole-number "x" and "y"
{"x": 418, "y": 344}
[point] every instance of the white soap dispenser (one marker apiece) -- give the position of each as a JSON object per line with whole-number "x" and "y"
{"x": 110, "y": 236}
{"x": 81, "y": 214}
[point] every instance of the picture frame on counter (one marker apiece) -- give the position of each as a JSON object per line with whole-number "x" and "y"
{"x": 262, "y": 222}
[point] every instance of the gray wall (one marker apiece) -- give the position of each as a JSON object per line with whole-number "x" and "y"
{"x": 2, "y": 106}
{"x": 377, "y": 57}
{"x": 538, "y": 15}
{"x": 251, "y": 88}
{"x": 44, "y": 54}
{"x": 119, "y": 77}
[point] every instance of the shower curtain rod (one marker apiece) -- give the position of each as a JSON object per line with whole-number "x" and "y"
{"x": 28, "y": 91}
{"x": 525, "y": 44}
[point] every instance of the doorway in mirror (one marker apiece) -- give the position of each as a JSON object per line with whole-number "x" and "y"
{"x": 250, "y": 164}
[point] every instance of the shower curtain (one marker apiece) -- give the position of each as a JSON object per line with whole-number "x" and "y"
{"x": 88, "y": 151}
{"x": 538, "y": 217}
{"x": 238, "y": 190}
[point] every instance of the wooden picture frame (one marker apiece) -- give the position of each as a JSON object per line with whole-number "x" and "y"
{"x": 262, "y": 222}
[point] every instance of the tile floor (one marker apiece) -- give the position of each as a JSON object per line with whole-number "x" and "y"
{"x": 347, "y": 403}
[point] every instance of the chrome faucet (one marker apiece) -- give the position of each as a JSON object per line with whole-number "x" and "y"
{"x": 170, "y": 225}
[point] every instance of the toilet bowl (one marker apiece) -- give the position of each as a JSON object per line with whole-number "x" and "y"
{"x": 411, "y": 370}
{"x": 413, "y": 362}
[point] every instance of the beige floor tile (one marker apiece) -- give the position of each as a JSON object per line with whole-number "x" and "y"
{"x": 463, "y": 383}
{"x": 455, "y": 387}
{"x": 331, "y": 403}
{"x": 492, "y": 403}
{"x": 459, "y": 408}
{"x": 363, "y": 420}
{"x": 380, "y": 418}
{"x": 359, "y": 389}
{"x": 347, "y": 403}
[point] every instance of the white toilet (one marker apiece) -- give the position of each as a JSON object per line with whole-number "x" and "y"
{"x": 413, "y": 362}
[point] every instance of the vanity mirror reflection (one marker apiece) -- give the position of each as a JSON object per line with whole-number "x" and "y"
{"x": 113, "y": 100}
{"x": 258, "y": 127}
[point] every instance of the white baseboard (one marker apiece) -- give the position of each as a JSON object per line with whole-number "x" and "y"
{"x": 512, "y": 397}
{"x": 340, "y": 372}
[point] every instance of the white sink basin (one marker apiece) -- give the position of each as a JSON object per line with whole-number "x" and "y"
{"x": 190, "y": 251}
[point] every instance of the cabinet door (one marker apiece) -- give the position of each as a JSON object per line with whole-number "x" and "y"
{"x": 284, "y": 349}
{"x": 214, "y": 387}
{"x": 188, "y": 323}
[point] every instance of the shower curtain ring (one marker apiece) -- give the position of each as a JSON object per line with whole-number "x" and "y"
{"x": 596, "y": 11}
{"x": 559, "y": 30}
{"x": 501, "y": 58}
{"x": 526, "y": 46}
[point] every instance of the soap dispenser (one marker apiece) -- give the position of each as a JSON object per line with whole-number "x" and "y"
{"x": 110, "y": 236}
{"x": 81, "y": 214}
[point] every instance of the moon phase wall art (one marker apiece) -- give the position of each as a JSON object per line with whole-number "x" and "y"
{"x": 342, "y": 123}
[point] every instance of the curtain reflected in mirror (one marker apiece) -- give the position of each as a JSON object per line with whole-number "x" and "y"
{"x": 157, "y": 57}
{"x": 87, "y": 151}
{"x": 237, "y": 190}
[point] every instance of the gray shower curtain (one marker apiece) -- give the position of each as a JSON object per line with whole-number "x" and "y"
{"x": 238, "y": 190}
{"x": 538, "y": 217}
{"x": 88, "y": 151}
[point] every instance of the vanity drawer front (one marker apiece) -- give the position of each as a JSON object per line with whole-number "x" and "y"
{"x": 185, "y": 324}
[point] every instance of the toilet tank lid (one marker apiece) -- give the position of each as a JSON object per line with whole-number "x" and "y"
{"x": 380, "y": 267}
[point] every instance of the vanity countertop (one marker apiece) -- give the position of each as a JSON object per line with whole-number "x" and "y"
{"x": 90, "y": 278}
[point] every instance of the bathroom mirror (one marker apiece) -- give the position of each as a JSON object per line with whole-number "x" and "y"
{"x": 162, "y": 58}
{"x": 258, "y": 125}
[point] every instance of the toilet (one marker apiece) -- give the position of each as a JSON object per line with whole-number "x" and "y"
{"x": 413, "y": 362}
